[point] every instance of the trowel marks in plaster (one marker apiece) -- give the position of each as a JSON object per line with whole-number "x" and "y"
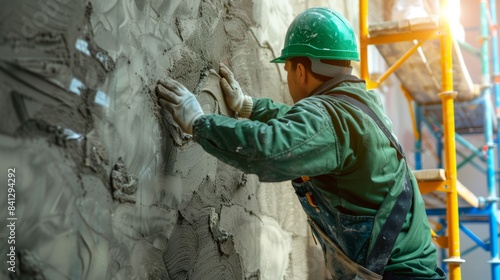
{"x": 102, "y": 188}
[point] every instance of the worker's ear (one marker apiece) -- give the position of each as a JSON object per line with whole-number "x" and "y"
{"x": 301, "y": 74}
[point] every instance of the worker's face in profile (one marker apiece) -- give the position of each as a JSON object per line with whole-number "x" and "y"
{"x": 293, "y": 86}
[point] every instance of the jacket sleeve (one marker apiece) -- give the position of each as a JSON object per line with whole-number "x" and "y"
{"x": 265, "y": 109}
{"x": 301, "y": 142}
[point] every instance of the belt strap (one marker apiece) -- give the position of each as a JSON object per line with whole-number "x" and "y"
{"x": 382, "y": 248}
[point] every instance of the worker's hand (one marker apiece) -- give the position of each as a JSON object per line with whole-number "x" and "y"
{"x": 235, "y": 98}
{"x": 180, "y": 102}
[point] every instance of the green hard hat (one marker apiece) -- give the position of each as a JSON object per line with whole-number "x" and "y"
{"x": 320, "y": 33}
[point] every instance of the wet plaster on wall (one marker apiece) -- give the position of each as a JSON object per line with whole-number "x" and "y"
{"x": 108, "y": 187}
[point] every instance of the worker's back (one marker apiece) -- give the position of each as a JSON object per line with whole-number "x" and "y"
{"x": 368, "y": 171}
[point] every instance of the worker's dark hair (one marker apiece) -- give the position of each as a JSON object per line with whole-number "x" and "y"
{"x": 307, "y": 64}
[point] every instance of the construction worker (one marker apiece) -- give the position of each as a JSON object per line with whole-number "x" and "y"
{"x": 334, "y": 143}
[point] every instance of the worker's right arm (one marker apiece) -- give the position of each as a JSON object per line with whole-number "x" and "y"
{"x": 263, "y": 109}
{"x": 302, "y": 142}
{"x": 236, "y": 100}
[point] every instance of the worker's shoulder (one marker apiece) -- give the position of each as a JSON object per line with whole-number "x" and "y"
{"x": 349, "y": 88}
{"x": 330, "y": 105}
{"x": 332, "y": 101}
{"x": 358, "y": 91}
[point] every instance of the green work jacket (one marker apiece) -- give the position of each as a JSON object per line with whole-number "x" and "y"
{"x": 329, "y": 141}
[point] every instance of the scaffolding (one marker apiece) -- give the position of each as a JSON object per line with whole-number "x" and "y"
{"x": 428, "y": 62}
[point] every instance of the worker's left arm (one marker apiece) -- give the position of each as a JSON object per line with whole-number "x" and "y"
{"x": 299, "y": 143}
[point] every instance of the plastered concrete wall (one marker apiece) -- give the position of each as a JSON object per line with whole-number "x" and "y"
{"x": 103, "y": 185}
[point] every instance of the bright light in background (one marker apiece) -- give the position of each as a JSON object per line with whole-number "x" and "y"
{"x": 453, "y": 12}
{"x": 408, "y": 9}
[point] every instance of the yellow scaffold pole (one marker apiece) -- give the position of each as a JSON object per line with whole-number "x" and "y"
{"x": 447, "y": 96}
{"x": 363, "y": 46}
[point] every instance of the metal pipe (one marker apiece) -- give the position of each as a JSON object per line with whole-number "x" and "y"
{"x": 409, "y": 100}
{"x": 474, "y": 237}
{"x": 398, "y": 63}
{"x": 418, "y": 142}
{"x": 469, "y": 48}
{"x": 469, "y": 160}
{"x": 420, "y": 35}
{"x": 363, "y": 37}
{"x": 447, "y": 97}
{"x": 485, "y": 31}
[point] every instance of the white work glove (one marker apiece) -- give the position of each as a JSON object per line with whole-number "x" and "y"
{"x": 235, "y": 98}
{"x": 179, "y": 102}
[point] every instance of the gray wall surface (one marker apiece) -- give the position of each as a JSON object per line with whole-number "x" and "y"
{"x": 104, "y": 184}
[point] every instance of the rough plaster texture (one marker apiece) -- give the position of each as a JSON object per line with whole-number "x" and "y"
{"x": 106, "y": 186}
